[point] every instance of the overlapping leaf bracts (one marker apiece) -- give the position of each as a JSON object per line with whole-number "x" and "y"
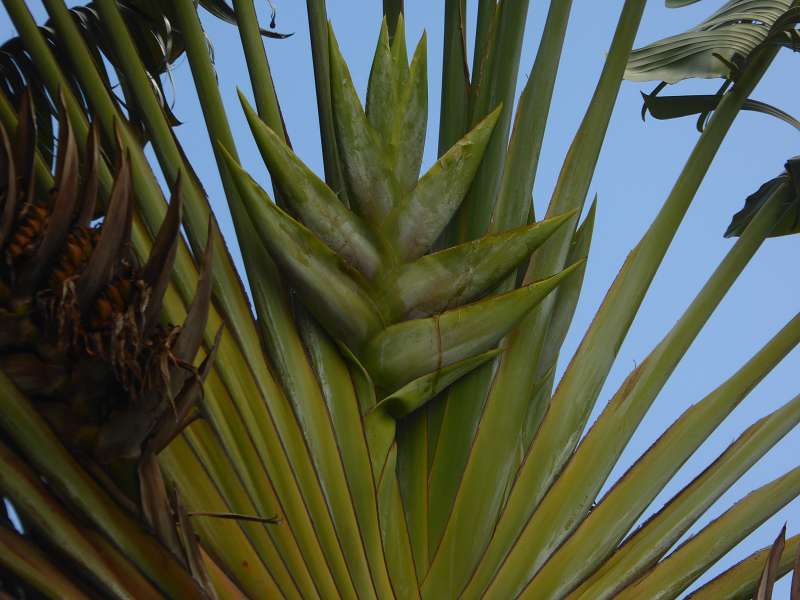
{"x": 365, "y": 272}
{"x": 392, "y": 400}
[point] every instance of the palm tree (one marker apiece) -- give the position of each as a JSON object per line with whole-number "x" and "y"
{"x": 385, "y": 421}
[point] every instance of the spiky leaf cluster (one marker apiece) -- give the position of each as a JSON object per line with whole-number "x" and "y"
{"x": 366, "y": 271}
{"x": 365, "y": 400}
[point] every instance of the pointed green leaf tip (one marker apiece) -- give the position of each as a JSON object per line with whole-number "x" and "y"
{"x": 334, "y": 293}
{"x": 462, "y": 273}
{"x": 415, "y": 224}
{"x": 407, "y": 143}
{"x": 397, "y": 107}
{"x": 374, "y": 190}
{"x": 381, "y": 88}
{"x": 315, "y": 204}
{"x": 408, "y": 350}
{"x": 413, "y": 395}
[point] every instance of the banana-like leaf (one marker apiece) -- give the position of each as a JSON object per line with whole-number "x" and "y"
{"x": 710, "y": 49}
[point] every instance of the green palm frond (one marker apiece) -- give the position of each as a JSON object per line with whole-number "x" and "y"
{"x": 717, "y": 46}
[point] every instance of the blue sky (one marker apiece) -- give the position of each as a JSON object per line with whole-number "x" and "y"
{"x": 639, "y": 164}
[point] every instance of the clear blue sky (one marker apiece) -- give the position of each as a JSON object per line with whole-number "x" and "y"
{"x": 639, "y": 164}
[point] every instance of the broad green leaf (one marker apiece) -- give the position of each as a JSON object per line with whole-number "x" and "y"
{"x": 399, "y": 52}
{"x": 407, "y": 141}
{"x": 727, "y": 37}
{"x": 397, "y": 106}
{"x": 382, "y": 90}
